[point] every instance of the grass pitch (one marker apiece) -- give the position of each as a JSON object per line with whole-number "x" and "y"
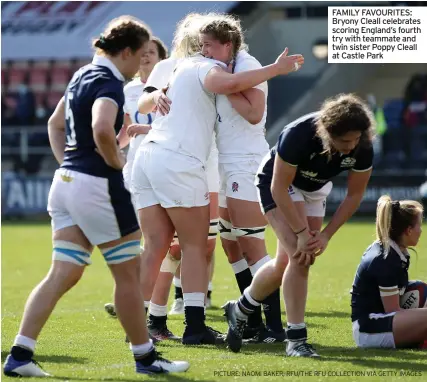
{"x": 80, "y": 343}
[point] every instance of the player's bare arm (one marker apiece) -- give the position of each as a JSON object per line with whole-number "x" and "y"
{"x": 103, "y": 114}
{"x": 56, "y": 131}
{"x": 250, "y": 104}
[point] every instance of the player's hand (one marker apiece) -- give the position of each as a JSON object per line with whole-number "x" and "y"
{"x": 162, "y": 101}
{"x": 322, "y": 243}
{"x": 307, "y": 244}
{"x": 304, "y": 258}
{"x": 137, "y": 129}
{"x": 287, "y": 64}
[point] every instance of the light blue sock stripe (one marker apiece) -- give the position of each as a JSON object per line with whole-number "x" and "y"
{"x": 72, "y": 254}
{"x": 66, "y": 251}
{"x": 118, "y": 257}
{"x": 123, "y": 246}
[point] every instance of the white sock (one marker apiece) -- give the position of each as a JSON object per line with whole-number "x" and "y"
{"x": 240, "y": 314}
{"x": 147, "y": 304}
{"x": 210, "y": 286}
{"x": 296, "y": 326}
{"x": 25, "y": 342}
{"x": 239, "y": 266}
{"x": 254, "y": 268}
{"x": 194, "y": 299}
{"x": 177, "y": 282}
{"x": 158, "y": 310}
{"x": 139, "y": 350}
{"x": 248, "y": 296}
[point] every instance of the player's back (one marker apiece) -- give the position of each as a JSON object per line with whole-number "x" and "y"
{"x": 188, "y": 128}
{"x": 94, "y": 81}
{"x": 377, "y": 275}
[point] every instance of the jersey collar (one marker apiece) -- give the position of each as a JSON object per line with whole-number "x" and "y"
{"x": 104, "y": 61}
{"x": 402, "y": 256}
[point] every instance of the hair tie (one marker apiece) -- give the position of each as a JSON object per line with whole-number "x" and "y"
{"x": 102, "y": 39}
{"x": 395, "y": 205}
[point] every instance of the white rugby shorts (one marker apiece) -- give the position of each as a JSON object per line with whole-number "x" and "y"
{"x": 100, "y": 207}
{"x": 237, "y": 180}
{"x": 161, "y": 176}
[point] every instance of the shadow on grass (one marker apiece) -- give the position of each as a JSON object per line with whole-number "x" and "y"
{"x": 331, "y": 313}
{"x": 396, "y": 359}
{"x": 51, "y": 358}
{"x": 370, "y": 358}
{"x": 157, "y": 377}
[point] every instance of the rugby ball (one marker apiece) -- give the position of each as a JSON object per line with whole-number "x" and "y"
{"x": 415, "y": 295}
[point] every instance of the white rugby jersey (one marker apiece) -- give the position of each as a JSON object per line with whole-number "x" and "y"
{"x": 159, "y": 78}
{"x": 133, "y": 90}
{"x": 189, "y": 126}
{"x": 236, "y": 138}
{"x": 161, "y": 73}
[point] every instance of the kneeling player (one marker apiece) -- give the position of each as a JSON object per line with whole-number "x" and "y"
{"x": 378, "y": 319}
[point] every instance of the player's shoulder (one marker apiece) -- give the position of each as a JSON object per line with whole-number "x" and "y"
{"x": 376, "y": 257}
{"x": 304, "y": 126}
{"x": 167, "y": 64}
{"x": 200, "y": 60}
{"x": 96, "y": 76}
{"x": 135, "y": 84}
{"x": 244, "y": 60}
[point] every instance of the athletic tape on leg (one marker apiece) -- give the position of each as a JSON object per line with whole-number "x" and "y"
{"x": 213, "y": 229}
{"x": 70, "y": 252}
{"x": 169, "y": 264}
{"x": 122, "y": 252}
{"x": 225, "y": 230}
{"x": 256, "y": 232}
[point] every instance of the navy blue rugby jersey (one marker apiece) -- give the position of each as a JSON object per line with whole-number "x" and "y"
{"x": 299, "y": 146}
{"x": 378, "y": 275}
{"x": 100, "y": 79}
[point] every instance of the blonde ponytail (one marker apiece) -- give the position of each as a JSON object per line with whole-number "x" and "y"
{"x": 393, "y": 218}
{"x": 383, "y": 223}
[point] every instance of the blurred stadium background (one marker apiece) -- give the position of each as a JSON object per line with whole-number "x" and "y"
{"x": 43, "y": 43}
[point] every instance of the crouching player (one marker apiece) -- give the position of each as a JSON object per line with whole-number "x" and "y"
{"x": 378, "y": 319}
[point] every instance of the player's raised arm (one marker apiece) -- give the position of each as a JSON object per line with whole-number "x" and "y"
{"x": 56, "y": 131}
{"x": 220, "y": 82}
{"x": 104, "y": 113}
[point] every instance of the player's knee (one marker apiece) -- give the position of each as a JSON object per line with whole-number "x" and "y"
{"x": 297, "y": 268}
{"x": 158, "y": 243}
{"x": 70, "y": 260}
{"x": 280, "y": 263}
{"x": 175, "y": 252}
{"x": 169, "y": 264}
{"x": 254, "y": 250}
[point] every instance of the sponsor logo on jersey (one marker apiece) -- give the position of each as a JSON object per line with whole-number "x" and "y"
{"x": 348, "y": 162}
{"x": 66, "y": 178}
{"x": 309, "y": 174}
